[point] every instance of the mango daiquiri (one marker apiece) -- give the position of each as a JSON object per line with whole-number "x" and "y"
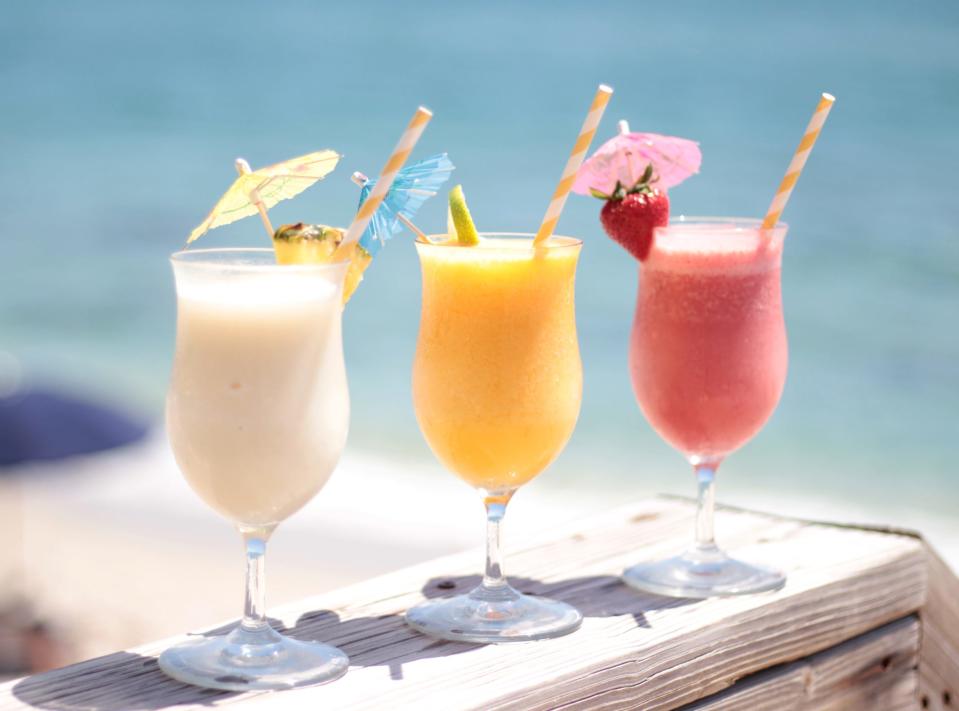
{"x": 497, "y": 380}
{"x": 497, "y": 385}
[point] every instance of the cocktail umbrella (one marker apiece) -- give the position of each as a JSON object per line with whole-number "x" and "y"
{"x": 413, "y": 186}
{"x": 624, "y": 158}
{"x": 258, "y": 190}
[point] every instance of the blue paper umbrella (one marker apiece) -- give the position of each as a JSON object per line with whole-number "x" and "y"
{"x": 413, "y": 186}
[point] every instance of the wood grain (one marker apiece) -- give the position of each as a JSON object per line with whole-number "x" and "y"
{"x": 877, "y": 670}
{"x": 939, "y": 663}
{"x": 633, "y": 650}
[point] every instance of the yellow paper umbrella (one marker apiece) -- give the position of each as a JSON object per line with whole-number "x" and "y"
{"x": 258, "y": 190}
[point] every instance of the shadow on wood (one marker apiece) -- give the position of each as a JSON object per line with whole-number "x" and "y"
{"x": 136, "y": 683}
{"x": 128, "y": 682}
{"x": 592, "y": 595}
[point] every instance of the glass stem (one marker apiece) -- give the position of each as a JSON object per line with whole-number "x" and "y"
{"x": 493, "y": 577}
{"x": 254, "y": 603}
{"x": 494, "y": 586}
{"x": 705, "y": 505}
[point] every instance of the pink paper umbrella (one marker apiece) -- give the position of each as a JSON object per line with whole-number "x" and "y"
{"x": 624, "y": 157}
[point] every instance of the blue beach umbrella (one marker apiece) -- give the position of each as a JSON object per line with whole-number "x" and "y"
{"x": 413, "y": 186}
{"x": 40, "y": 425}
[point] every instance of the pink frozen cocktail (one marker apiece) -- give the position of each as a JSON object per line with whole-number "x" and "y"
{"x": 708, "y": 352}
{"x": 708, "y": 349}
{"x": 708, "y": 362}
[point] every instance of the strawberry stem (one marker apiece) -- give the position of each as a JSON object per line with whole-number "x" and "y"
{"x": 643, "y": 185}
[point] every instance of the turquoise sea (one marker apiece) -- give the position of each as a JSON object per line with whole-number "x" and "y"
{"x": 119, "y": 123}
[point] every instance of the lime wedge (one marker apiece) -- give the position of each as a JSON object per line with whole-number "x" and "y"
{"x": 450, "y": 227}
{"x": 465, "y": 230}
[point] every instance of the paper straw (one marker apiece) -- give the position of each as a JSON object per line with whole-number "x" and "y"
{"x": 362, "y": 180}
{"x": 586, "y": 134}
{"x": 242, "y": 167}
{"x": 402, "y": 151}
{"x": 798, "y": 161}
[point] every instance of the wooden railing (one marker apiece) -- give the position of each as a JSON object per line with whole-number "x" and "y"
{"x": 869, "y": 619}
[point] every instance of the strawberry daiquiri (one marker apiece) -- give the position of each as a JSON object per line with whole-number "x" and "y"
{"x": 708, "y": 361}
{"x": 708, "y": 350}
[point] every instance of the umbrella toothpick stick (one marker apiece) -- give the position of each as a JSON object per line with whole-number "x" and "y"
{"x": 623, "y": 126}
{"x": 242, "y": 167}
{"x": 414, "y": 229}
{"x": 362, "y": 180}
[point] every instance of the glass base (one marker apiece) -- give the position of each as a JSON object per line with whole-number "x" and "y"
{"x": 492, "y": 616}
{"x": 244, "y": 660}
{"x": 702, "y": 573}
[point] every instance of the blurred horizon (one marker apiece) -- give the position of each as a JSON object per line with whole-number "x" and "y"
{"x": 121, "y": 123}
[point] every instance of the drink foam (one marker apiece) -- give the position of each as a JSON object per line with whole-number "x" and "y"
{"x": 267, "y": 290}
{"x": 707, "y": 249}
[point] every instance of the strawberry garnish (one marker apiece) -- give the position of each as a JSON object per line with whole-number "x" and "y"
{"x": 630, "y": 214}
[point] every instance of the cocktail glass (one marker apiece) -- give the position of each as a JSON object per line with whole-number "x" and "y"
{"x": 708, "y": 361}
{"x": 257, "y": 415}
{"x": 497, "y": 385}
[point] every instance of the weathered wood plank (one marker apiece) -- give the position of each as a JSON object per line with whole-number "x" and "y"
{"x": 877, "y": 670}
{"x": 939, "y": 653}
{"x": 633, "y": 650}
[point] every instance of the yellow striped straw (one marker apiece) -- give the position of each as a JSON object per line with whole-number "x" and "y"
{"x": 799, "y": 161}
{"x": 402, "y": 151}
{"x": 586, "y": 133}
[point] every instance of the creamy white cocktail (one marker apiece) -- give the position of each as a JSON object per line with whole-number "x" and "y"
{"x": 258, "y": 408}
{"x": 257, "y": 415}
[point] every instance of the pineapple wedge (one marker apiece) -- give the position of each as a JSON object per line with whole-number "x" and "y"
{"x": 302, "y": 243}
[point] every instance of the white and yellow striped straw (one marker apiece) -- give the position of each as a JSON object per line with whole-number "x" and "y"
{"x": 799, "y": 160}
{"x": 586, "y": 133}
{"x": 402, "y": 151}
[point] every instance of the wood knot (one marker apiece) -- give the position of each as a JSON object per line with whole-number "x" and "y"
{"x": 946, "y": 698}
{"x": 886, "y": 663}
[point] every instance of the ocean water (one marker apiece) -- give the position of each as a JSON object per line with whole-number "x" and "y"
{"x": 119, "y": 123}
